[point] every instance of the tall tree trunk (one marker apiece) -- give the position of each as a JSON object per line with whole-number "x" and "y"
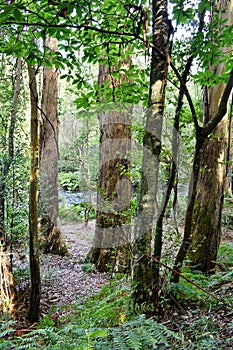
{"x": 111, "y": 247}
{"x": 210, "y": 188}
{"x": 144, "y": 280}
{"x": 52, "y": 236}
{"x": 33, "y": 313}
{"x": 6, "y": 279}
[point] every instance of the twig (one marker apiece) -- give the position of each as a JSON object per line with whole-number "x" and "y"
{"x": 178, "y": 273}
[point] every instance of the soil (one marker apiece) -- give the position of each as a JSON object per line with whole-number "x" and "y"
{"x": 67, "y": 279}
{"x": 64, "y": 279}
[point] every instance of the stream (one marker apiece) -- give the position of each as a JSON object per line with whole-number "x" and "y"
{"x": 69, "y": 198}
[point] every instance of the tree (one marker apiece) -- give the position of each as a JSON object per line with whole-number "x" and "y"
{"x": 33, "y": 313}
{"x": 202, "y": 134}
{"x": 111, "y": 247}
{"x": 49, "y": 153}
{"x": 210, "y": 188}
{"x": 144, "y": 283}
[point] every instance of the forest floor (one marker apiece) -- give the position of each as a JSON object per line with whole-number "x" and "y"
{"x": 68, "y": 280}
{"x": 64, "y": 279}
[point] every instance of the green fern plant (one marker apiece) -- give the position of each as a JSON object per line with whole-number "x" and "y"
{"x": 6, "y": 330}
{"x": 142, "y": 333}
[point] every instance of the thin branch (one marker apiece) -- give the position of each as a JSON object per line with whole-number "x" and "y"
{"x": 178, "y": 273}
{"x": 70, "y": 26}
{"x": 187, "y": 94}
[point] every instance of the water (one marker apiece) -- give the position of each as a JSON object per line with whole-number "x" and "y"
{"x": 69, "y": 198}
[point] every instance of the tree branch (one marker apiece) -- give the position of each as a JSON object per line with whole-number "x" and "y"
{"x": 222, "y": 107}
{"x": 70, "y": 26}
{"x": 157, "y": 261}
{"x": 186, "y": 92}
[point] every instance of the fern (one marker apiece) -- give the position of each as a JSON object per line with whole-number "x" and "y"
{"x": 6, "y": 328}
{"x": 142, "y": 333}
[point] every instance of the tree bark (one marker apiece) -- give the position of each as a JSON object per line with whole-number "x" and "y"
{"x": 52, "y": 239}
{"x": 207, "y": 219}
{"x": 33, "y": 314}
{"x": 145, "y": 282}
{"x": 202, "y": 134}
{"x": 111, "y": 247}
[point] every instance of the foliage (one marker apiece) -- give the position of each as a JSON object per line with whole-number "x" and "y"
{"x": 84, "y": 210}
{"x": 225, "y": 256}
{"x": 184, "y": 290}
{"x": 106, "y": 321}
{"x": 141, "y": 333}
{"x": 202, "y": 333}
{"x": 67, "y": 214}
{"x": 93, "y": 33}
{"x": 69, "y": 181}
{"x": 100, "y": 323}
{"x": 75, "y": 212}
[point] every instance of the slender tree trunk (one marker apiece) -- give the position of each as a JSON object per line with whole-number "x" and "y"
{"x": 175, "y": 149}
{"x": 52, "y": 236}
{"x": 210, "y": 188}
{"x": 111, "y": 247}
{"x": 229, "y": 167}
{"x": 188, "y": 229}
{"x": 33, "y": 313}
{"x": 144, "y": 281}
{"x": 3, "y": 129}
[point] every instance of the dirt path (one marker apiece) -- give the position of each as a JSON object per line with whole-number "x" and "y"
{"x": 63, "y": 279}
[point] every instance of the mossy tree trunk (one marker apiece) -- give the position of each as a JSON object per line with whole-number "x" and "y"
{"x": 33, "y": 314}
{"x": 210, "y": 188}
{"x": 52, "y": 239}
{"x": 111, "y": 247}
{"x": 202, "y": 134}
{"x": 145, "y": 280}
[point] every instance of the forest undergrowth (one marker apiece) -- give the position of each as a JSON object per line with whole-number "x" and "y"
{"x": 83, "y": 309}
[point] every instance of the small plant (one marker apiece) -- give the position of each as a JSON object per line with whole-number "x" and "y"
{"x": 84, "y": 210}
{"x": 87, "y": 267}
{"x": 225, "y": 255}
{"x": 69, "y": 181}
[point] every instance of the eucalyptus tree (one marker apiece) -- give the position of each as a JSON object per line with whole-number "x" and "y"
{"x": 49, "y": 153}
{"x": 214, "y": 117}
{"x": 111, "y": 247}
{"x": 207, "y": 219}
